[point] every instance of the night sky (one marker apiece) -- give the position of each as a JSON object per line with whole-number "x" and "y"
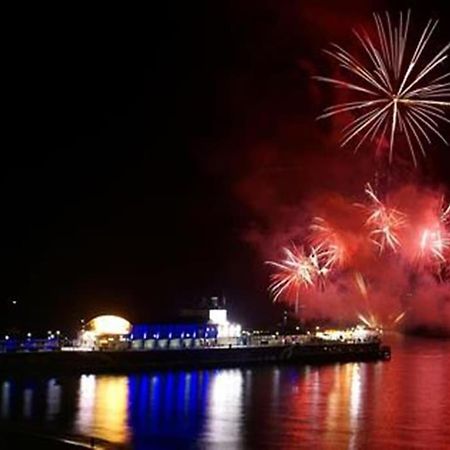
{"x": 145, "y": 149}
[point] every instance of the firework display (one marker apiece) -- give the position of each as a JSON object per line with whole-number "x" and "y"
{"x": 387, "y": 238}
{"x": 400, "y": 88}
{"x": 379, "y": 258}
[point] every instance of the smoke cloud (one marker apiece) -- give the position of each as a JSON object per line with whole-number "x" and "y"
{"x": 300, "y": 173}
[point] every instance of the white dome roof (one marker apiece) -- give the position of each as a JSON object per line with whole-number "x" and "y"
{"x": 109, "y": 325}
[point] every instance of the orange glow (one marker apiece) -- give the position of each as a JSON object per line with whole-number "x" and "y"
{"x": 113, "y": 325}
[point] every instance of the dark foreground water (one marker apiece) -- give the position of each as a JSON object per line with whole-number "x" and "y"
{"x": 404, "y": 404}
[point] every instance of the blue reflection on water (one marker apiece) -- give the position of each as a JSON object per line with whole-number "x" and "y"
{"x": 167, "y": 409}
{"x": 178, "y": 409}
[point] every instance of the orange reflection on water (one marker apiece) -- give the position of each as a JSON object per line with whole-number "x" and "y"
{"x": 102, "y": 408}
{"x": 414, "y": 393}
{"x": 344, "y": 405}
{"x": 328, "y": 405}
{"x": 376, "y": 405}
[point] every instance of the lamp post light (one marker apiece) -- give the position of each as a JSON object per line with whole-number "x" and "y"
{"x": 10, "y": 312}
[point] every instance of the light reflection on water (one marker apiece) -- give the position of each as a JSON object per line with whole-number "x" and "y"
{"x": 53, "y": 399}
{"x": 103, "y": 408}
{"x": 403, "y": 404}
{"x": 6, "y": 386}
{"x": 224, "y": 420}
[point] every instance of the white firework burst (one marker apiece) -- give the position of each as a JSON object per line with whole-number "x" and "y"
{"x": 402, "y": 91}
{"x": 384, "y": 222}
{"x": 297, "y": 270}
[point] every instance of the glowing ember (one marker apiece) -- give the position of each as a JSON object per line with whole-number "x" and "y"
{"x": 399, "y": 92}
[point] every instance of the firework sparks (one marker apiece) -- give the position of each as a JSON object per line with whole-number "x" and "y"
{"x": 434, "y": 243}
{"x": 384, "y": 222}
{"x": 369, "y": 320}
{"x": 372, "y": 321}
{"x": 329, "y": 245}
{"x": 296, "y": 271}
{"x": 400, "y": 94}
{"x": 445, "y": 214}
{"x": 434, "y": 239}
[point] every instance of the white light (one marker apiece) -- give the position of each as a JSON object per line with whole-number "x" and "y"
{"x": 225, "y": 404}
{"x": 229, "y": 330}
{"x": 28, "y": 334}
{"x": 7, "y": 337}
{"x": 218, "y": 316}
{"x": 88, "y": 340}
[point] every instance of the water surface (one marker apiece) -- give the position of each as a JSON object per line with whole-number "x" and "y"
{"x": 401, "y": 404}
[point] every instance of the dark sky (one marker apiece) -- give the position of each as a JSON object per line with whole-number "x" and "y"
{"x": 133, "y": 139}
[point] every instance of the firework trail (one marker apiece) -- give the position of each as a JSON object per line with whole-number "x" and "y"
{"x": 372, "y": 321}
{"x": 398, "y": 92}
{"x": 385, "y": 223}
